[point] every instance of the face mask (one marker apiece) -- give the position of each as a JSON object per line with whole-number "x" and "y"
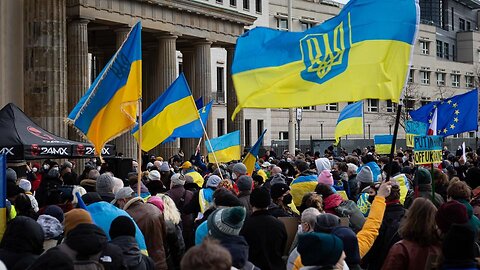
{"x": 287, "y": 199}
{"x": 55, "y": 168}
{"x": 94, "y": 160}
{"x": 370, "y": 198}
{"x": 234, "y": 176}
{"x": 99, "y": 168}
{"x": 34, "y": 169}
{"x": 46, "y": 166}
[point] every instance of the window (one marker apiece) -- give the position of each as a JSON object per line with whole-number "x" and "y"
{"x": 309, "y": 108}
{"x": 446, "y": 51}
{"x": 219, "y": 1}
{"x": 425, "y": 47}
{"x": 391, "y": 106}
{"x": 454, "y": 53}
{"x": 258, "y": 6}
{"x": 220, "y": 84}
{"x": 282, "y": 23}
{"x": 372, "y": 105}
{"x": 233, "y": 3}
{"x": 469, "y": 26}
{"x": 246, "y": 4}
{"x": 283, "y": 135}
{"x": 439, "y": 49}
{"x": 461, "y": 24}
{"x": 259, "y": 128}
{"x": 220, "y": 127}
{"x": 424, "y": 101}
{"x": 471, "y": 134}
{"x": 411, "y": 76}
{"x": 469, "y": 81}
{"x": 248, "y": 132}
{"x": 425, "y": 77}
{"x": 409, "y": 103}
{"x": 441, "y": 79}
{"x": 306, "y": 25}
{"x": 455, "y": 80}
{"x": 453, "y": 21}
{"x": 331, "y": 107}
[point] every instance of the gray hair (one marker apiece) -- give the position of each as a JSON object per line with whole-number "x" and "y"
{"x": 309, "y": 216}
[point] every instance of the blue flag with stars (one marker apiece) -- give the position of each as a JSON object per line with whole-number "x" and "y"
{"x": 454, "y": 115}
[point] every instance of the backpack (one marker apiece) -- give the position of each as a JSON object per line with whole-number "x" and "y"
{"x": 350, "y": 210}
{"x": 90, "y": 263}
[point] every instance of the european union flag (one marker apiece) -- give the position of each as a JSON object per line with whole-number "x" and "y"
{"x": 454, "y": 115}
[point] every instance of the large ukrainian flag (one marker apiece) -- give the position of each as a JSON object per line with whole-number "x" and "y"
{"x": 251, "y": 158}
{"x": 350, "y": 121}
{"x": 362, "y": 53}
{"x": 109, "y": 107}
{"x": 172, "y": 110}
{"x": 226, "y": 147}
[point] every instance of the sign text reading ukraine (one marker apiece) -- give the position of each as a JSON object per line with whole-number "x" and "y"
{"x": 428, "y": 149}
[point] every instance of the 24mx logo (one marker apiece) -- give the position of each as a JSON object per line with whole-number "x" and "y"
{"x": 7, "y": 151}
{"x": 91, "y": 151}
{"x": 54, "y": 151}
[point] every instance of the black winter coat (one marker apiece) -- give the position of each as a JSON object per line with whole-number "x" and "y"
{"x": 132, "y": 256}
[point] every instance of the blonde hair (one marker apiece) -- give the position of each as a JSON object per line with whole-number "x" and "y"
{"x": 170, "y": 211}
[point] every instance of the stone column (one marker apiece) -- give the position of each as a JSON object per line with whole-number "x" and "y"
{"x": 232, "y": 101}
{"x": 166, "y": 74}
{"x": 45, "y": 64}
{"x": 188, "y": 61}
{"x": 126, "y": 143}
{"x": 151, "y": 90}
{"x": 203, "y": 79}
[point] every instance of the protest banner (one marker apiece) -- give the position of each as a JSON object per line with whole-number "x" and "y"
{"x": 428, "y": 149}
{"x": 414, "y": 128}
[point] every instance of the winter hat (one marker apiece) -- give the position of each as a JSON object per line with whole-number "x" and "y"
{"x": 164, "y": 167}
{"x": 226, "y": 222}
{"x": 449, "y": 213}
{"x": 126, "y": 192}
{"x": 52, "y": 173}
{"x": 13, "y": 189}
{"x": 260, "y": 198}
{"x": 244, "y": 183}
{"x": 154, "y": 175}
{"x": 104, "y": 183}
{"x": 239, "y": 169}
{"x": 226, "y": 198}
{"x": 423, "y": 176}
{"x": 319, "y": 249}
{"x": 350, "y": 244}
{"x": 213, "y": 181}
{"x": 117, "y": 184}
{"x": 157, "y": 201}
{"x": 50, "y": 225}
{"x": 11, "y": 175}
{"x": 365, "y": 175}
{"x": 277, "y": 190}
{"x": 149, "y": 165}
{"x": 326, "y": 223}
{"x": 352, "y": 167}
{"x": 325, "y": 177}
{"x": 75, "y": 217}
{"x": 177, "y": 180}
{"x": 25, "y": 185}
{"x": 54, "y": 211}
{"x": 278, "y": 179}
{"x": 122, "y": 225}
{"x": 186, "y": 165}
{"x": 91, "y": 197}
{"x": 458, "y": 245}
{"x": 322, "y": 164}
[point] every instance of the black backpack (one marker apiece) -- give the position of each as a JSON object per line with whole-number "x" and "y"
{"x": 350, "y": 210}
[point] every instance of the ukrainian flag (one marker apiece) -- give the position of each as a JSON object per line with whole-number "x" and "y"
{"x": 251, "y": 158}
{"x": 383, "y": 144}
{"x": 193, "y": 129}
{"x": 173, "y": 109}
{"x": 3, "y": 195}
{"x": 109, "y": 107}
{"x": 226, "y": 147}
{"x": 362, "y": 53}
{"x": 350, "y": 121}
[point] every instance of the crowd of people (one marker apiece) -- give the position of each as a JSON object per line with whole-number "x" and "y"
{"x": 295, "y": 211}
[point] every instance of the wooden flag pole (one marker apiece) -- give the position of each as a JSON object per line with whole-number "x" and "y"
{"x": 392, "y": 150}
{"x": 213, "y": 152}
{"x": 139, "y": 168}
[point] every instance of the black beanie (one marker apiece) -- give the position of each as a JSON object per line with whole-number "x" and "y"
{"x": 122, "y": 225}
{"x": 260, "y": 198}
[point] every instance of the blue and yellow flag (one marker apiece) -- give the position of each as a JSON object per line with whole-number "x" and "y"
{"x": 251, "y": 158}
{"x": 193, "y": 129}
{"x": 362, "y": 53}
{"x": 383, "y": 144}
{"x": 109, "y": 108}
{"x": 3, "y": 195}
{"x": 226, "y": 147}
{"x": 173, "y": 109}
{"x": 350, "y": 121}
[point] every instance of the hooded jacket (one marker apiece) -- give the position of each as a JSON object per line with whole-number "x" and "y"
{"x": 238, "y": 248}
{"x": 53, "y": 230}
{"x": 132, "y": 255}
{"x": 22, "y": 243}
{"x": 331, "y": 202}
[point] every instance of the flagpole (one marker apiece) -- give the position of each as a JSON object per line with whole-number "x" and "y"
{"x": 395, "y": 133}
{"x": 213, "y": 152}
{"x": 139, "y": 168}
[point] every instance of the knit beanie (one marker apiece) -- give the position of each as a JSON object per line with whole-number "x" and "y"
{"x": 11, "y": 175}
{"x": 164, "y": 167}
{"x": 157, "y": 201}
{"x": 122, "y": 225}
{"x": 105, "y": 183}
{"x": 25, "y": 185}
{"x": 244, "y": 183}
{"x": 423, "y": 176}
{"x": 325, "y": 177}
{"x": 319, "y": 249}
{"x": 213, "y": 181}
{"x": 117, "y": 184}
{"x": 326, "y": 222}
{"x": 278, "y": 179}
{"x": 239, "y": 169}
{"x": 153, "y": 175}
{"x": 458, "y": 245}
{"x": 54, "y": 211}
{"x": 350, "y": 244}
{"x": 323, "y": 164}
{"x": 75, "y": 217}
{"x": 177, "y": 180}
{"x": 277, "y": 190}
{"x": 365, "y": 175}
{"x": 226, "y": 222}
{"x": 260, "y": 198}
{"x": 449, "y": 213}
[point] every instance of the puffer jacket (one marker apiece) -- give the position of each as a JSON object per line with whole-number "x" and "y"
{"x": 132, "y": 256}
